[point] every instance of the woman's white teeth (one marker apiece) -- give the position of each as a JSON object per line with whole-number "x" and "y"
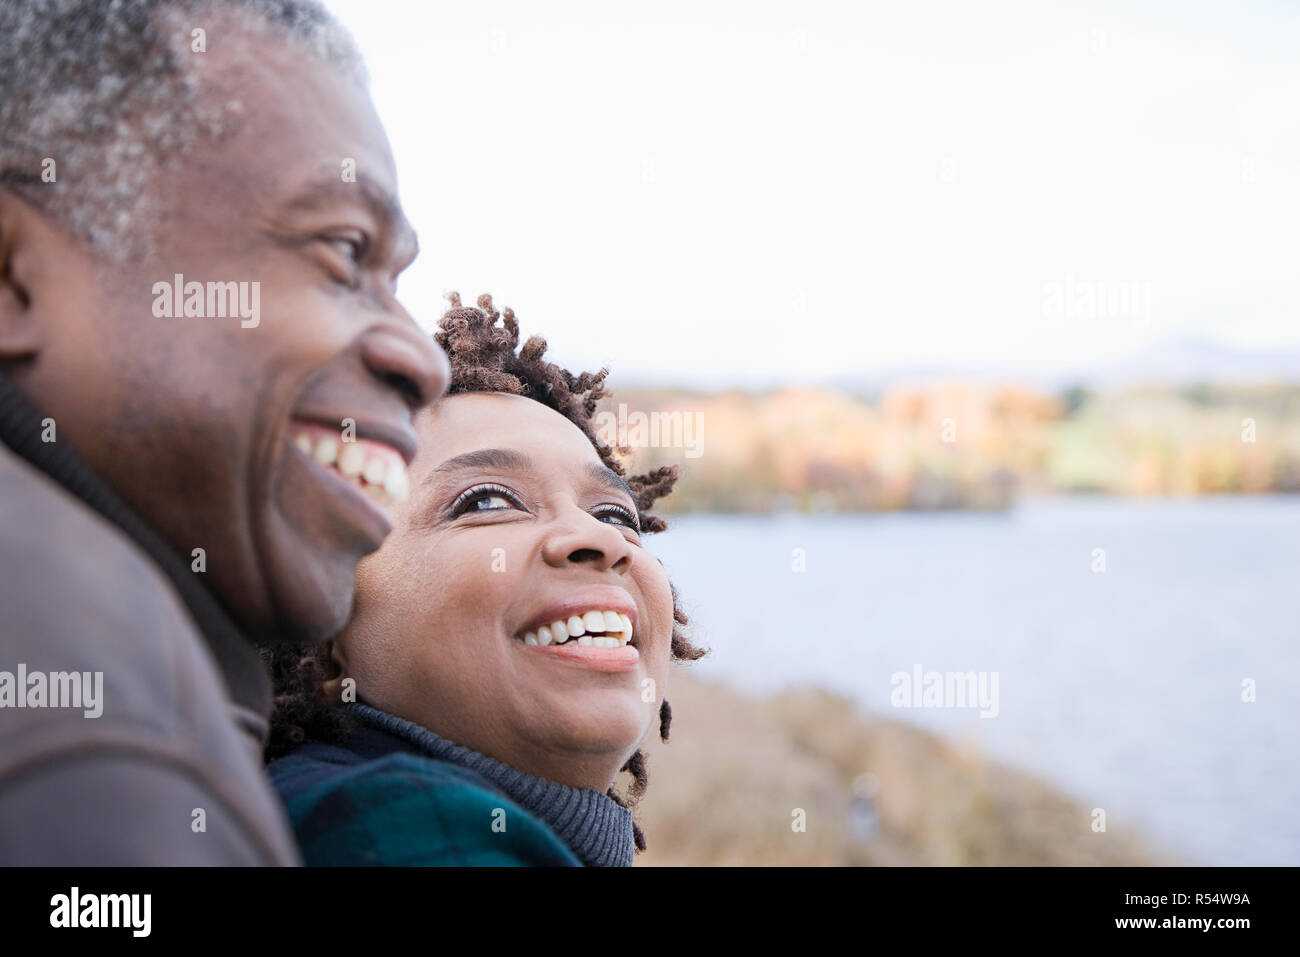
{"x": 585, "y": 630}
{"x": 371, "y": 465}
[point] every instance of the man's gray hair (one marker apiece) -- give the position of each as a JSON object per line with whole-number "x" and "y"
{"x": 96, "y": 94}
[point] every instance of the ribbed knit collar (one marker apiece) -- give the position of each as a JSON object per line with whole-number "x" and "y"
{"x": 597, "y": 829}
{"x": 245, "y": 674}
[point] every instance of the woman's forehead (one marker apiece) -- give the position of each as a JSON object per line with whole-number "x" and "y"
{"x": 470, "y": 421}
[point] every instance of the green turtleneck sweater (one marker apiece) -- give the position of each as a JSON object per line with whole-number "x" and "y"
{"x": 398, "y": 794}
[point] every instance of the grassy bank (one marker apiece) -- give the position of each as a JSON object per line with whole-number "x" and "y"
{"x": 724, "y": 790}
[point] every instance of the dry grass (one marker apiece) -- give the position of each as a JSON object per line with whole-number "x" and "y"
{"x": 723, "y": 792}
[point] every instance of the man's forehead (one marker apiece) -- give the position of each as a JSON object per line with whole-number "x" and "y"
{"x": 294, "y": 108}
{"x": 301, "y": 135}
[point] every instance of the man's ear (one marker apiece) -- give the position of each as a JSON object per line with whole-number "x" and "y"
{"x": 335, "y": 661}
{"x": 21, "y": 232}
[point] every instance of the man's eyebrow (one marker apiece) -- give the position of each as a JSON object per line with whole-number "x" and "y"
{"x": 610, "y": 479}
{"x": 506, "y": 459}
{"x": 383, "y": 205}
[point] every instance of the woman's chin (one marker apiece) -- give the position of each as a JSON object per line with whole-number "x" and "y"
{"x": 616, "y": 731}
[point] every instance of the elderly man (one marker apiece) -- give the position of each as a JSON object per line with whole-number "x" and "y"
{"x": 206, "y": 393}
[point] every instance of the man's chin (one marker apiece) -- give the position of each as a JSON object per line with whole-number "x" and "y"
{"x": 312, "y": 610}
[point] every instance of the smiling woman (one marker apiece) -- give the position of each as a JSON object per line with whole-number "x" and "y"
{"x": 509, "y": 646}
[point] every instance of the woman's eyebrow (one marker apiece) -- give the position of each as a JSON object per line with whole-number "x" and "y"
{"x": 510, "y": 460}
{"x": 607, "y": 477}
{"x": 486, "y": 459}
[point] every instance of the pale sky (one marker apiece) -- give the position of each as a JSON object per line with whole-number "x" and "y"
{"x": 712, "y": 192}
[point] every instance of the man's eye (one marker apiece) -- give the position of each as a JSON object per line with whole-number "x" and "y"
{"x": 350, "y": 249}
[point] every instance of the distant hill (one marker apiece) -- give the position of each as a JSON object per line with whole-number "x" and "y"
{"x": 958, "y": 444}
{"x": 1179, "y": 361}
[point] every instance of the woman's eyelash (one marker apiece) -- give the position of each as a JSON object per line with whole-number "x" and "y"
{"x": 623, "y": 513}
{"x": 482, "y": 493}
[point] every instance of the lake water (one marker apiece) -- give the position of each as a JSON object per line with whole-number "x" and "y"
{"x": 1123, "y": 687}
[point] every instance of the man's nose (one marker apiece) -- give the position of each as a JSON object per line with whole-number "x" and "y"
{"x": 407, "y": 359}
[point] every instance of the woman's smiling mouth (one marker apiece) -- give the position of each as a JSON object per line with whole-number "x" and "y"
{"x": 598, "y": 629}
{"x": 595, "y": 628}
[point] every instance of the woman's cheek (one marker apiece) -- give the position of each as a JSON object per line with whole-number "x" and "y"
{"x": 660, "y": 600}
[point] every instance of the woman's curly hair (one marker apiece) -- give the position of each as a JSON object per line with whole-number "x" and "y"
{"x": 483, "y": 347}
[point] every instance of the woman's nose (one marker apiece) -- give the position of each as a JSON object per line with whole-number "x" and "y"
{"x": 579, "y": 538}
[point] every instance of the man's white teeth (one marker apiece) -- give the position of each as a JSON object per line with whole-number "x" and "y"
{"x": 585, "y": 630}
{"x": 374, "y": 472}
{"x": 326, "y": 451}
{"x": 396, "y": 482}
{"x": 353, "y": 461}
{"x": 381, "y": 475}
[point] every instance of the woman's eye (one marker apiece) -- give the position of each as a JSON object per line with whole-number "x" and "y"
{"x": 483, "y": 500}
{"x": 621, "y": 516}
{"x": 490, "y": 503}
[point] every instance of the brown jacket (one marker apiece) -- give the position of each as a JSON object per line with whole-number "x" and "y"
{"x": 170, "y": 772}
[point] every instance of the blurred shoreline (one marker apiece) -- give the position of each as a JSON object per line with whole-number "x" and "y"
{"x": 956, "y": 445}
{"x": 728, "y": 786}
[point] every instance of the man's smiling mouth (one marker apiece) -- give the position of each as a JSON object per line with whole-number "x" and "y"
{"x": 374, "y": 469}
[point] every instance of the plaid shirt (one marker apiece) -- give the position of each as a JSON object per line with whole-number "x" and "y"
{"x": 378, "y": 801}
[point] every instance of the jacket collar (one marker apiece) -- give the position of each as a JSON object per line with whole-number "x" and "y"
{"x": 245, "y": 674}
{"x": 593, "y": 825}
